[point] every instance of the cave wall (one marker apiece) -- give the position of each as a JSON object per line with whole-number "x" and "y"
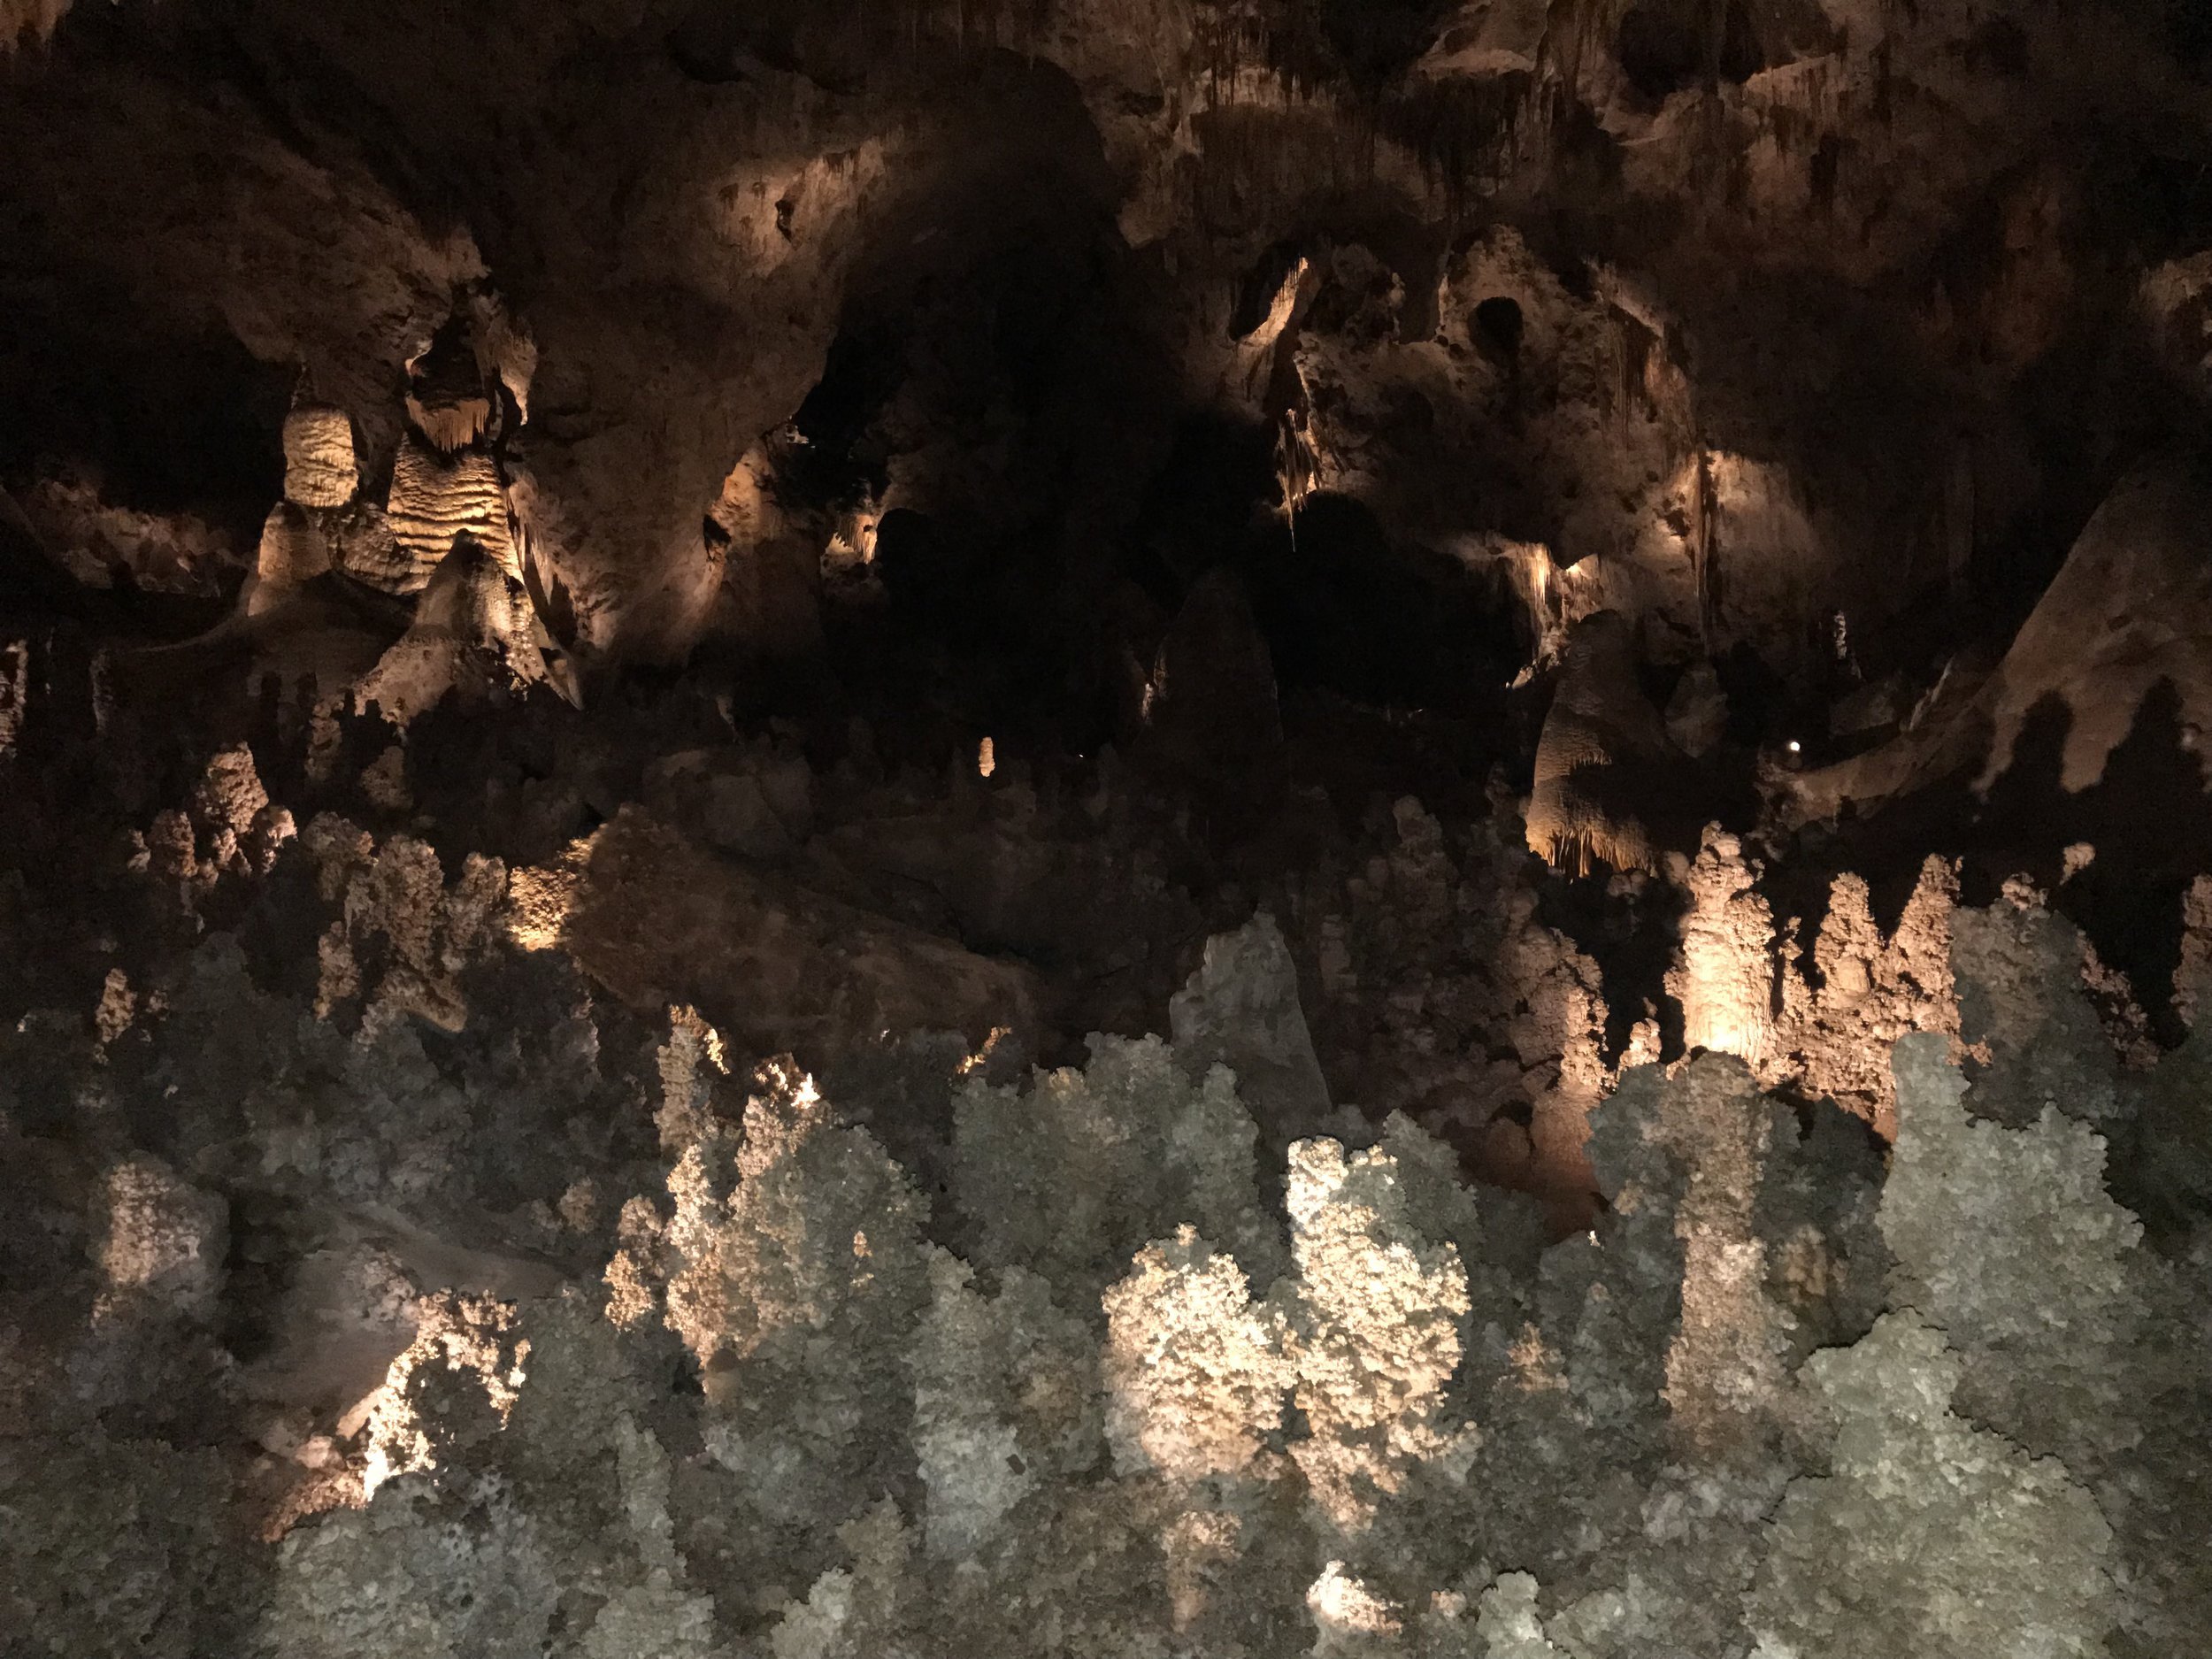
{"x": 1813, "y": 309}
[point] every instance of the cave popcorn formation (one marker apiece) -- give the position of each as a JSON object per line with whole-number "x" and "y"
{"x": 1233, "y": 829}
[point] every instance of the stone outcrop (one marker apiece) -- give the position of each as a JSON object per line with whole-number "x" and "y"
{"x": 1275, "y": 523}
{"x": 1602, "y": 763}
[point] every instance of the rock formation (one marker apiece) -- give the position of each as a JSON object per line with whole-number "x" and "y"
{"x": 1226, "y": 829}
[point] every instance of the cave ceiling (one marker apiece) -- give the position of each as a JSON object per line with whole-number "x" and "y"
{"x": 1750, "y": 313}
{"x": 645, "y": 644}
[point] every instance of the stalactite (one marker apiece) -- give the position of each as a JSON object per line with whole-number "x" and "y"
{"x": 1705, "y": 545}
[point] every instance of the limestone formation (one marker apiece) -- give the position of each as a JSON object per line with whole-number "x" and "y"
{"x": 475, "y": 636}
{"x": 1934, "y": 1558}
{"x": 2191, "y": 977}
{"x": 1195, "y": 1375}
{"x": 365, "y": 549}
{"x": 319, "y": 467}
{"x": 437, "y": 499}
{"x": 1831, "y": 1039}
{"x": 1599, "y": 610}
{"x": 448, "y": 401}
{"x": 32, "y": 19}
{"x": 1602, "y": 757}
{"x": 294, "y": 549}
{"x": 1240, "y": 1010}
{"x": 1697, "y": 713}
{"x": 2115, "y": 640}
{"x": 1725, "y": 982}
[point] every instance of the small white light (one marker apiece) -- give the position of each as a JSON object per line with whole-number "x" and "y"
{"x": 1796, "y": 748}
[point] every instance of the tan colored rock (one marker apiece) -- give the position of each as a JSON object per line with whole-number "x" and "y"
{"x": 447, "y": 398}
{"x": 658, "y": 921}
{"x": 475, "y": 631}
{"x": 401, "y": 912}
{"x": 294, "y": 549}
{"x": 1831, "y": 1041}
{"x": 319, "y": 468}
{"x": 1602, "y": 746}
{"x": 363, "y": 547}
{"x": 23, "y": 20}
{"x": 1195, "y": 1372}
{"x": 2124, "y": 620}
{"x": 164, "y": 1239}
{"x": 436, "y": 499}
{"x": 1725, "y": 978}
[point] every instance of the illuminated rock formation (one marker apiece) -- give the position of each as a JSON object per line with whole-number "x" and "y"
{"x": 435, "y": 501}
{"x": 319, "y": 466}
{"x": 1083, "y": 520}
{"x": 448, "y": 401}
{"x": 293, "y": 550}
{"x": 2122, "y": 621}
{"x": 1602, "y": 758}
{"x": 475, "y": 635}
{"x": 1872, "y": 990}
{"x": 1726, "y": 979}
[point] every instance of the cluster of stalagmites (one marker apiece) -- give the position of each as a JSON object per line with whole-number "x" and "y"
{"x": 547, "y": 1343}
{"x": 446, "y": 537}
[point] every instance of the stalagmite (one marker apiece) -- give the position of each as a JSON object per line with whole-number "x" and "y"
{"x": 700, "y": 1175}
{"x": 319, "y": 469}
{"x": 294, "y": 549}
{"x": 474, "y": 631}
{"x": 1832, "y": 1041}
{"x": 437, "y": 499}
{"x": 1725, "y": 981}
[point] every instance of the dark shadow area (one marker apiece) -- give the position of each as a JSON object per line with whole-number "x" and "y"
{"x": 2150, "y": 821}
{"x": 1668, "y": 46}
{"x": 1217, "y": 481}
{"x": 1344, "y": 608}
{"x": 1500, "y": 325}
{"x": 1257, "y": 289}
{"x": 2147, "y": 818}
{"x": 165, "y": 424}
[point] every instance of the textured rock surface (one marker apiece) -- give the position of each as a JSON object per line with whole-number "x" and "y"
{"x": 641, "y": 643}
{"x": 1240, "y": 1010}
{"x": 550, "y": 1369}
{"x": 319, "y": 466}
{"x": 657, "y": 921}
{"x": 1601, "y": 763}
{"x": 437, "y": 498}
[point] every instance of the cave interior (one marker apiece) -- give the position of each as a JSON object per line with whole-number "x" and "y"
{"x": 1152, "y": 827}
